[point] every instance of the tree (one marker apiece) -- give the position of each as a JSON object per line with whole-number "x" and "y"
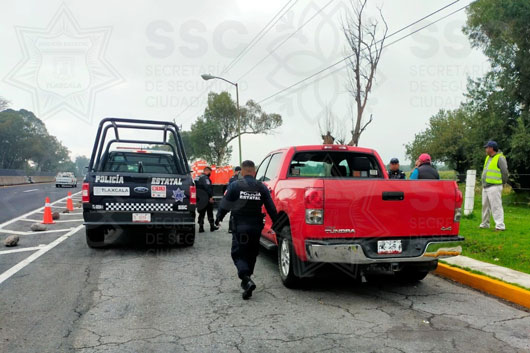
{"x": 501, "y": 100}
{"x": 447, "y": 139}
{"x": 24, "y": 138}
{"x": 331, "y": 129}
{"x": 211, "y": 134}
{"x": 80, "y": 163}
{"x": 4, "y": 104}
{"x": 366, "y": 50}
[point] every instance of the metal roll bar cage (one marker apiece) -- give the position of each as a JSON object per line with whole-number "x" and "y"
{"x": 123, "y": 123}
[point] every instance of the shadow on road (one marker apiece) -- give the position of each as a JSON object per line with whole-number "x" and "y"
{"x": 339, "y": 277}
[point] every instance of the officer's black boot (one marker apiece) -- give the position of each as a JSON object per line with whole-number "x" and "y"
{"x": 248, "y": 287}
{"x": 201, "y": 228}
{"x": 213, "y": 227}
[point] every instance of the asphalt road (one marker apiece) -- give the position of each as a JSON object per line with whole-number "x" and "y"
{"x": 136, "y": 297}
{"x": 20, "y": 199}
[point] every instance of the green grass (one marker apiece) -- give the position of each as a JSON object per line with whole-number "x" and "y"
{"x": 510, "y": 248}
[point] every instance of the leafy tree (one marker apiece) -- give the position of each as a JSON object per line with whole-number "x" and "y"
{"x": 24, "y": 137}
{"x": 502, "y": 99}
{"x": 501, "y": 29}
{"x": 80, "y": 163}
{"x": 447, "y": 140}
{"x": 210, "y": 136}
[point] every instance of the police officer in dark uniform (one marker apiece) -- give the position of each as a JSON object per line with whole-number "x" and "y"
{"x": 244, "y": 198}
{"x": 394, "y": 172}
{"x": 205, "y": 190}
{"x": 236, "y": 176}
{"x": 237, "y": 172}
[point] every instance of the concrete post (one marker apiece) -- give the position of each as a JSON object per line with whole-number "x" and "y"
{"x": 471, "y": 179}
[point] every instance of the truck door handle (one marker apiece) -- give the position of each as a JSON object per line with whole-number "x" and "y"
{"x": 393, "y": 195}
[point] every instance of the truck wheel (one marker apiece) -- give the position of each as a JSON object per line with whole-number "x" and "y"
{"x": 95, "y": 237}
{"x": 286, "y": 259}
{"x": 410, "y": 275}
{"x": 56, "y": 185}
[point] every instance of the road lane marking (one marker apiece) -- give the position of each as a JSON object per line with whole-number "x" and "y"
{"x": 13, "y": 270}
{"x": 31, "y": 190}
{"x": 17, "y": 232}
{"x": 66, "y": 214}
{"x": 32, "y": 248}
{"x": 21, "y": 185}
{"x": 56, "y": 221}
{"x": 31, "y": 212}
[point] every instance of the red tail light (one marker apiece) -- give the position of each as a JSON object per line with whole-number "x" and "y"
{"x": 314, "y": 198}
{"x": 193, "y": 195}
{"x": 459, "y": 198}
{"x": 85, "y": 193}
{"x": 458, "y": 204}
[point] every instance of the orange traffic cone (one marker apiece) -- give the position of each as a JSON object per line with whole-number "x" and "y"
{"x": 69, "y": 203}
{"x": 48, "y": 219}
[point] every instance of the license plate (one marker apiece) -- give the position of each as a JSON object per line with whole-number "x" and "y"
{"x": 141, "y": 217}
{"x": 389, "y": 247}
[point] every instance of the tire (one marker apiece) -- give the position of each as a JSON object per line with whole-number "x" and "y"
{"x": 95, "y": 237}
{"x": 56, "y": 185}
{"x": 287, "y": 259}
{"x": 410, "y": 275}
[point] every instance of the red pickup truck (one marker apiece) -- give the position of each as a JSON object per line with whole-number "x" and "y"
{"x": 337, "y": 205}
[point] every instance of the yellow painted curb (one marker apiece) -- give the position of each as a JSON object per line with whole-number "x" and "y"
{"x": 485, "y": 284}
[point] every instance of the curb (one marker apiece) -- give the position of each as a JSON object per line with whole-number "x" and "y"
{"x": 485, "y": 284}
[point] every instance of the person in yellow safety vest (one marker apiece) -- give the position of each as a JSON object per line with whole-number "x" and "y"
{"x": 494, "y": 175}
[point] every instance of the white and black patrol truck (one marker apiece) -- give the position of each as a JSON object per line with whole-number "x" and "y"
{"x": 138, "y": 183}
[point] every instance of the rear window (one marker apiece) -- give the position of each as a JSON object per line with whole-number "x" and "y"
{"x": 331, "y": 164}
{"x": 128, "y": 162}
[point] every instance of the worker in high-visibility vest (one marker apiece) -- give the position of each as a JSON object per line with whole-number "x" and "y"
{"x": 494, "y": 176}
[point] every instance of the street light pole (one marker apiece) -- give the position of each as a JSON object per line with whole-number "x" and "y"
{"x": 207, "y": 77}
{"x": 238, "y": 124}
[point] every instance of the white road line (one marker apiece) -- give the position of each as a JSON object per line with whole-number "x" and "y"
{"x": 17, "y": 232}
{"x": 7, "y": 274}
{"x": 33, "y": 248}
{"x": 65, "y": 214}
{"x": 30, "y": 213}
{"x": 57, "y": 221}
{"x": 31, "y": 190}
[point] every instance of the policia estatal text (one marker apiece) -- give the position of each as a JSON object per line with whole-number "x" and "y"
{"x": 245, "y": 198}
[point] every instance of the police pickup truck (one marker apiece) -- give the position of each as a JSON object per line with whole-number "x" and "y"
{"x": 150, "y": 189}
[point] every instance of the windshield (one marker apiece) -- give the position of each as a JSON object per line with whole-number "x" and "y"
{"x": 328, "y": 164}
{"x": 130, "y": 162}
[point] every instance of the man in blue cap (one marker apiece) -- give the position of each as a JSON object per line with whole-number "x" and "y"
{"x": 394, "y": 172}
{"x": 494, "y": 176}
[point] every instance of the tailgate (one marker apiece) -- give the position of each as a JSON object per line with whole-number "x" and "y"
{"x": 390, "y": 208}
{"x": 137, "y": 192}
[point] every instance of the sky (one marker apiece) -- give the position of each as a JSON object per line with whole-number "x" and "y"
{"x": 73, "y": 63}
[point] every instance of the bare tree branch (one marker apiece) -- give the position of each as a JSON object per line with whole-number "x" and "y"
{"x": 365, "y": 51}
{"x": 4, "y": 104}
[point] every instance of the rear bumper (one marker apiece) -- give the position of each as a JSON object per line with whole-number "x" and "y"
{"x": 65, "y": 182}
{"x": 98, "y": 218}
{"x": 364, "y": 251}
